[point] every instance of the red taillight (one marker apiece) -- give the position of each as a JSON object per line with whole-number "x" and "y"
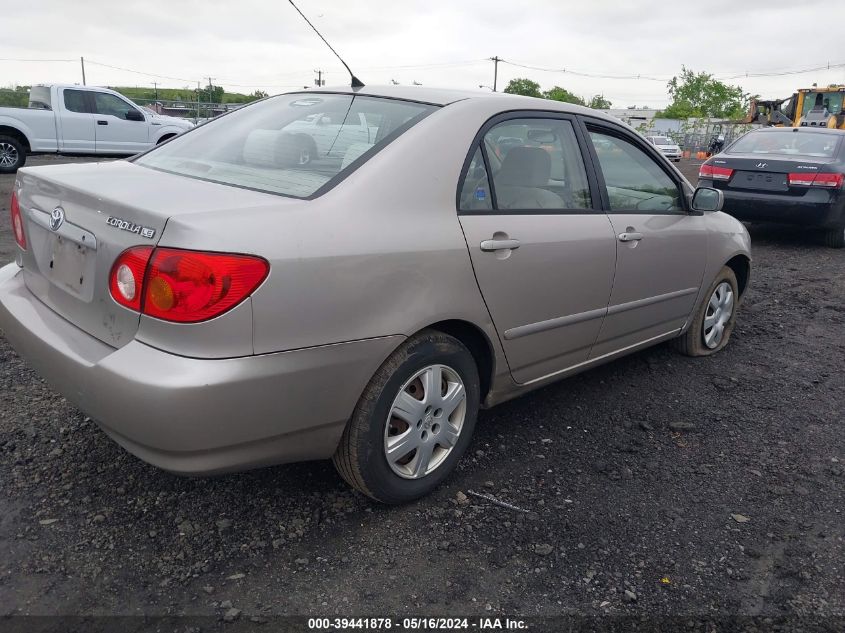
{"x": 17, "y": 221}
{"x": 184, "y": 286}
{"x": 716, "y": 173}
{"x": 126, "y": 281}
{"x": 831, "y": 181}
{"x": 800, "y": 180}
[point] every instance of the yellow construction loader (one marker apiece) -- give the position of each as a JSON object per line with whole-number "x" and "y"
{"x": 808, "y": 107}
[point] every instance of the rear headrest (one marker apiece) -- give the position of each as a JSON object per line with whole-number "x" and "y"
{"x": 525, "y": 167}
{"x": 269, "y": 148}
{"x": 355, "y": 150}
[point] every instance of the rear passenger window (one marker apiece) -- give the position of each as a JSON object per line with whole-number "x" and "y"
{"x": 536, "y": 164}
{"x": 75, "y": 101}
{"x": 634, "y": 180}
{"x": 475, "y": 192}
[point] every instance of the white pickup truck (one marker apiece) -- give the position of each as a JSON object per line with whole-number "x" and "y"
{"x": 79, "y": 120}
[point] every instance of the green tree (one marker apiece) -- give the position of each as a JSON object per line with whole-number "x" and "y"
{"x": 258, "y": 94}
{"x": 598, "y": 102}
{"x": 702, "y": 95}
{"x": 211, "y": 94}
{"x": 524, "y": 87}
{"x": 562, "y": 94}
{"x": 16, "y": 98}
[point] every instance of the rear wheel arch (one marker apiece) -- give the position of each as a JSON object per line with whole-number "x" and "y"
{"x": 15, "y": 133}
{"x": 479, "y": 345}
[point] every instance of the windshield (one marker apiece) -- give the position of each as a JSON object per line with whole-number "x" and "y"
{"x": 291, "y": 145}
{"x": 790, "y": 141}
{"x": 662, "y": 140}
{"x": 830, "y": 101}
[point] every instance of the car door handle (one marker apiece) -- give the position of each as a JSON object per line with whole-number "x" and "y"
{"x": 629, "y": 237}
{"x": 499, "y": 245}
{"x": 101, "y": 122}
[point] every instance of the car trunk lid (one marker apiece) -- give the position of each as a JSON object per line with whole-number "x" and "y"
{"x": 80, "y": 217}
{"x": 767, "y": 173}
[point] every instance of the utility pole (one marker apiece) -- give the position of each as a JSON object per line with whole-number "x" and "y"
{"x": 82, "y": 62}
{"x": 495, "y": 61}
{"x": 155, "y": 85}
{"x": 319, "y": 81}
{"x": 210, "y": 93}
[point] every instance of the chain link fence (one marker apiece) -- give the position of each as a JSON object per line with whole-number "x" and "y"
{"x": 697, "y": 137}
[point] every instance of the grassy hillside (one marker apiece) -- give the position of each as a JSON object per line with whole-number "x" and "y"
{"x": 14, "y": 98}
{"x": 178, "y": 94}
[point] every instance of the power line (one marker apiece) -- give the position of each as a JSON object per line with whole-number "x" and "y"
{"x": 570, "y": 71}
{"x": 16, "y": 59}
{"x": 650, "y": 77}
{"x": 138, "y": 72}
{"x": 784, "y": 73}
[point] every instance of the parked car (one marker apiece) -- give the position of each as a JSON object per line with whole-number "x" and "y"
{"x": 670, "y": 148}
{"x": 323, "y": 134}
{"x": 166, "y": 119}
{"x": 215, "y": 305}
{"x": 780, "y": 174}
{"x": 79, "y": 120}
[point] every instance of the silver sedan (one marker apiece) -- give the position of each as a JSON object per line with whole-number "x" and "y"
{"x": 352, "y": 274}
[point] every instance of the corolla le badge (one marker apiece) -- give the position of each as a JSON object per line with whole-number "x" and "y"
{"x": 57, "y": 218}
{"x": 761, "y": 165}
{"x": 131, "y": 227}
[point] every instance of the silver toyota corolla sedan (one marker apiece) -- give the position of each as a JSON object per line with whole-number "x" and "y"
{"x": 352, "y": 274}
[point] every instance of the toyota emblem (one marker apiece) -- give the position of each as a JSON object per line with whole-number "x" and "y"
{"x": 57, "y": 218}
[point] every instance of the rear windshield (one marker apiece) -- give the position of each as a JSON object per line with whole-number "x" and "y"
{"x": 39, "y": 98}
{"x": 292, "y": 144}
{"x": 788, "y": 141}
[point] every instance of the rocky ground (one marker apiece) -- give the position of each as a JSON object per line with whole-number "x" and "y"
{"x": 657, "y": 485}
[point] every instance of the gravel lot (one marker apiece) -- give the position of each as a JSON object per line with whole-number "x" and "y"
{"x": 657, "y": 484}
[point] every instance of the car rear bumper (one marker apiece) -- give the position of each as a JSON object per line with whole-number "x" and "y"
{"x": 195, "y": 416}
{"x": 812, "y": 210}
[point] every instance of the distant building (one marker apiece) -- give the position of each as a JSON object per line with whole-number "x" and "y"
{"x": 645, "y": 119}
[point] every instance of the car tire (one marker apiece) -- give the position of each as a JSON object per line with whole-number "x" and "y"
{"x": 12, "y": 155}
{"x": 835, "y": 238}
{"x": 712, "y": 326}
{"x": 397, "y": 404}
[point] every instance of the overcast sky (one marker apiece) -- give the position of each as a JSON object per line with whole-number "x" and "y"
{"x": 249, "y": 44}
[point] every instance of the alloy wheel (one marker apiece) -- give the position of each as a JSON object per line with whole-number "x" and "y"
{"x": 718, "y": 314}
{"x": 425, "y": 421}
{"x": 8, "y": 155}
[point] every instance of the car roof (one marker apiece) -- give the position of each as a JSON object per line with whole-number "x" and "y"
{"x": 445, "y": 96}
{"x": 803, "y": 129}
{"x": 76, "y": 87}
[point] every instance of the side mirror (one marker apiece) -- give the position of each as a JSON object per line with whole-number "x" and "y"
{"x": 134, "y": 115}
{"x": 707, "y": 199}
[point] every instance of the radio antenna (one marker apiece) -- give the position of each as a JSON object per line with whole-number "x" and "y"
{"x": 356, "y": 83}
